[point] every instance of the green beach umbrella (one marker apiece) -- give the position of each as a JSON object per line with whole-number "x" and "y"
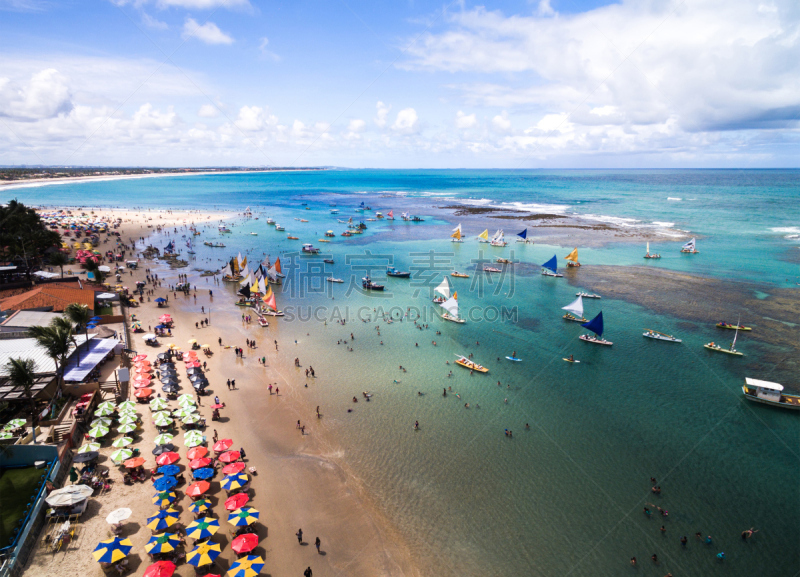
{"x": 127, "y": 420}
{"x": 121, "y": 455}
{"x": 158, "y": 404}
{"x": 98, "y": 432}
{"x": 14, "y": 424}
{"x": 88, "y": 447}
{"x": 165, "y": 414}
{"x": 163, "y": 439}
{"x": 126, "y": 405}
{"x": 107, "y": 405}
{"x": 162, "y": 421}
{"x": 103, "y": 412}
{"x": 5, "y": 435}
{"x": 192, "y": 439}
{"x": 190, "y": 419}
{"x": 126, "y": 428}
{"x": 101, "y": 422}
{"x": 128, "y": 413}
{"x": 122, "y": 442}
{"x": 186, "y": 398}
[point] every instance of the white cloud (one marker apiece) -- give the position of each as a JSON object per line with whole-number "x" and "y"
{"x": 202, "y": 4}
{"x": 406, "y": 120}
{"x": 253, "y": 118}
{"x": 153, "y": 23}
{"x": 501, "y": 123}
{"x": 208, "y": 32}
{"x": 208, "y": 111}
{"x": 266, "y": 53}
{"x": 150, "y": 119}
{"x": 45, "y": 95}
{"x": 356, "y": 125}
{"x": 382, "y": 111}
{"x": 465, "y": 121}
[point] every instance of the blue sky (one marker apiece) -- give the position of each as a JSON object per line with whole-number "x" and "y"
{"x": 400, "y": 84}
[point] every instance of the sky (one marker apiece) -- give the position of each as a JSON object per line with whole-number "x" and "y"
{"x": 401, "y": 83}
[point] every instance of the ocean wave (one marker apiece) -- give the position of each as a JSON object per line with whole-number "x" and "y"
{"x": 786, "y": 229}
{"x": 674, "y": 198}
{"x": 535, "y": 208}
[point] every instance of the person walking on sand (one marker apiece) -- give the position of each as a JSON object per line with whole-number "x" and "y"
{"x": 307, "y": 572}
{"x": 299, "y": 535}
{"x": 317, "y": 543}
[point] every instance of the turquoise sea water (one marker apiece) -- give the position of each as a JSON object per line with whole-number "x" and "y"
{"x": 564, "y": 497}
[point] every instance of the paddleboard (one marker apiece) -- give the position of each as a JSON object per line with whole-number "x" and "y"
{"x": 515, "y": 359}
{"x": 569, "y": 361}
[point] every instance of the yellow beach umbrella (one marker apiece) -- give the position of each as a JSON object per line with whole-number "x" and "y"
{"x": 112, "y": 550}
{"x": 203, "y": 554}
{"x": 192, "y": 341}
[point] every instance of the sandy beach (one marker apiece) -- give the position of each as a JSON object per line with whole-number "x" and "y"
{"x": 296, "y": 485}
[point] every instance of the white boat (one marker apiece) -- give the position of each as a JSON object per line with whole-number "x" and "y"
{"x": 651, "y": 334}
{"x": 451, "y": 306}
{"x": 263, "y": 322}
{"x": 587, "y": 295}
{"x": 334, "y": 211}
{"x": 279, "y": 227}
{"x": 270, "y": 220}
{"x": 253, "y": 234}
{"x": 310, "y": 249}
{"x": 498, "y": 239}
{"x": 271, "y": 313}
{"x": 332, "y": 279}
{"x": 574, "y": 311}
{"x": 769, "y": 394}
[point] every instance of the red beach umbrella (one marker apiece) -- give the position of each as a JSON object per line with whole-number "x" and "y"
{"x": 138, "y": 358}
{"x": 223, "y": 445}
{"x": 140, "y": 384}
{"x": 217, "y": 406}
{"x": 162, "y": 568}
{"x": 167, "y": 458}
{"x": 233, "y": 468}
{"x": 230, "y": 456}
{"x": 196, "y": 453}
{"x": 245, "y": 543}
{"x": 133, "y": 463}
{"x": 197, "y": 488}
{"x": 200, "y": 463}
{"x": 143, "y": 393}
{"x": 236, "y": 501}
{"x": 192, "y": 365}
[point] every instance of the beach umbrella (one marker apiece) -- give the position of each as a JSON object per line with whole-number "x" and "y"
{"x": 200, "y": 463}
{"x": 163, "y": 356}
{"x": 236, "y": 501}
{"x": 160, "y": 569}
{"x": 164, "y": 519}
{"x": 101, "y": 422}
{"x": 217, "y": 406}
{"x": 128, "y": 414}
{"x": 99, "y": 431}
{"x": 196, "y": 453}
{"x": 165, "y": 483}
{"x": 163, "y": 439}
{"x": 161, "y": 449}
{"x": 140, "y": 384}
{"x": 192, "y": 341}
{"x": 187, "y": 400}
{"x": 193, "y": 364}
{"x": 200, "y": 505}
{"x": 121, "y": 455}
{"x": 168, "y": 458}
{"x": 168, "y": 380}
{"x": 69, "y": 495}
{"x": 158, "y": 404}
{"x": 236, "y": 481}
{"x": 5, "y": 435}
{"x": 89, "y": 447}
{"x": 183, "y": 411}
{"x": 126, "y": 405}
{"x": 249, "y": 566}
{"x": 202, "y": 528}
{"x": 118, "y": 515}
{"x": 170, "y": 388}
{"x": 233, "y": 468}
{"x": 138, "y": 358}
{"x": 200, "y": 385}
{"x": 196, "y": 377}
{"x": 169, "y": 470}
{"x": 162, "y": 421}
{"x": 245, "y": 543}
{"x": 223, "y": 445}
{"x": 133, "y": 463}
{"x": 160, "y": 300}
{"x": 126, "y": 428}
{"x": 107, "y": 405}
{"x": 191, "y": 419}
{"x": 197, "y": 488}
{"x": 127, "y": 420}
{"x": 143, "y": 393}
{"x": 164, "y": 543}
{"x": 204, "y": 473}
{"x": 85, "y": 457}
{"x": 193, "y": 438}
{"x": 163, "y": 498}
{"x": 112, "y": 550}
{"x": 230, "y": 456}
{"x": 205, "y": 346}
{"x": 162, "y": 415}
{"x": 103, "y": 411}
{"x": 203, "y": 554}
{"x": 122, "y": 442}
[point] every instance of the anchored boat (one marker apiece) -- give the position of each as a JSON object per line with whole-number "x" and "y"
{"x": 712, "y": 346}
{"x": 596, "y": 326}
{"x": 573, "y": 258}
{"x": 574, "y": 311}
{"x": 523, "y": 237}
{"x": 310, "y": 249}
{"x": 332, "y": 279}
{"x": 498, "y": 239}
{"x": 391, "y": 271}
{"x": 457, "y": 274}
{"x": 369, "y": 284}
{"x": 648, "y": 255}
{"x": 588, "y": 295}
{"x": 651, "y": 334}
{"x": 468, "y": 364}
{"x": 737, "y": 326}
{"x": 769, "y": 394}
{"x": 484, "y": 236}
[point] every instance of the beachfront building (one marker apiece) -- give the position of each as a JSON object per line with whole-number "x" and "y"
{"x": 51, "y": 297}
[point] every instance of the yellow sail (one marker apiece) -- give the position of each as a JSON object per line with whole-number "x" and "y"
{"x": 484, "y": 235}
{"x": 457, "y": 234}
{"x": 573, "y": 256}
{"x": 455, "y": 295}
{"x": 243, "y": 263}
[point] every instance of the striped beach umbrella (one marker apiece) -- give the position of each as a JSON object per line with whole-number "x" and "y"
{"x": 158, "y": 404}
{"x": 191, "y": 419}
{"x": 193, "y": 439}
{"x": 88, "y": 447}
{"x": 236, "y": 481}
{"x": 164, "y": 519}
{"x": 162, "y": 421}
{"x": 100, "y": 422}
{"x": 126, "y": 428}
{"x": 203, "y": 554}
{"x": 107, "y": 405}
{"x": 122, "y": 442}
{"x": 5, "y": 435}
{"x": 163, "y": 498}
{"x": 243, "y": 517}
{"x": 164, "y": 414}
{"x": 103, "y": 412}
{"x": 126, "y": 405}
{"x": 112, "y": 550}
{"x": 163, "y": 439}
{"x": 14, "y": 424}
{"x": 98, "y": 432}
{"x": 202, "y": 528}
{"x": 164, "y": 543}
{"x": 200, "y": 505}
{"x": 187, "y": 399}
{"x": 128, "y": 419}
{"x": 249, "y": 566}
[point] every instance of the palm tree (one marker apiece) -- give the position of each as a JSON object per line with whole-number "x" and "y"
{"x": 94, "y": 268}
{"x": 80, "y": 315}
{"x": 56, "y": 339}
{"x": 59, "y": 259}
{"x": 22, "y": 373}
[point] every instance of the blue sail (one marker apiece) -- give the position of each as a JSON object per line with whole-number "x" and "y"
{"x": 523, "y": 234}
{"x": 362, "y": 205}
{"x": 596, "y": 324}
{"x": 551, "y": 264}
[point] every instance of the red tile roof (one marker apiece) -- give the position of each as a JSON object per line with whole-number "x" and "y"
{"x": 55, "y": 295}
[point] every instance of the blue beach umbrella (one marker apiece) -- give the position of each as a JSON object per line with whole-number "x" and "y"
{"x": 165, "y": 483}
{"x": 171, "y": 470}
{"x": 246, "y": 566}
{"x": 234, "y": 481}
{"x": 204, "y": 473}
{"x": 160, "y": 300}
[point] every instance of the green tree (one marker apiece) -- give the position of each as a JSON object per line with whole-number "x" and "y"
{"x": 24, "y": 236}
{"x": 22, "y": 373}
{"x": 56, "y": 339}
{"x": 80, "y": 315}
{"x": 59, "y": 259}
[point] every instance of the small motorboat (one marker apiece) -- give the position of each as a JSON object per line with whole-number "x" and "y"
{"x": 503, "y": 261}
{"x": 457, "y": 274}
{"x": 263, "y": 322}
{"x": 369, "y": 284}
{"x": 491, "y": 269}
{"x": 724, "y": 325}
{"x": 651, "y": 334}
{"x": 290, "y": 237}
{"x": 332, "y": 279}
{"x": 392, "y": 271}
{"x": 588, "y": 295}
{"x": 468, "y": 364}
{"x": 310, "y": 249}
{"x": 327, "y": 260}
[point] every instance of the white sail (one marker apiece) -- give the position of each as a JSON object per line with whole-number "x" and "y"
{"x": 444, "y": 288}
{"x": 648, "y": 247}
{"x": 226, "y": 271}
{"x": 575, "y": 307}
{"x": 239, "y": 260}
{"x": 458, "y": 228}
{"x": 253, "y": 280}
{"x": 262, "y": 286}
{"x": 246, "y": 272}
{"x": 498, "y": 234}
{"x": 689, "y": 245}
{"x": 451, "y": 306}
{"x": 245, "y": 280}
{"x": 272, "y": 273}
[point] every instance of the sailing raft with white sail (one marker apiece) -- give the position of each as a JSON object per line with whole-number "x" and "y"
{"x": 451, "y": 306}
{"x": 648, "y": 255}
{"x": 596, "y": 326}
{"x": 690, "y": 247}
{"x": 574, "y": 311}
{"x": 498, "y": 239}
{"x": 444, "y": 290}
